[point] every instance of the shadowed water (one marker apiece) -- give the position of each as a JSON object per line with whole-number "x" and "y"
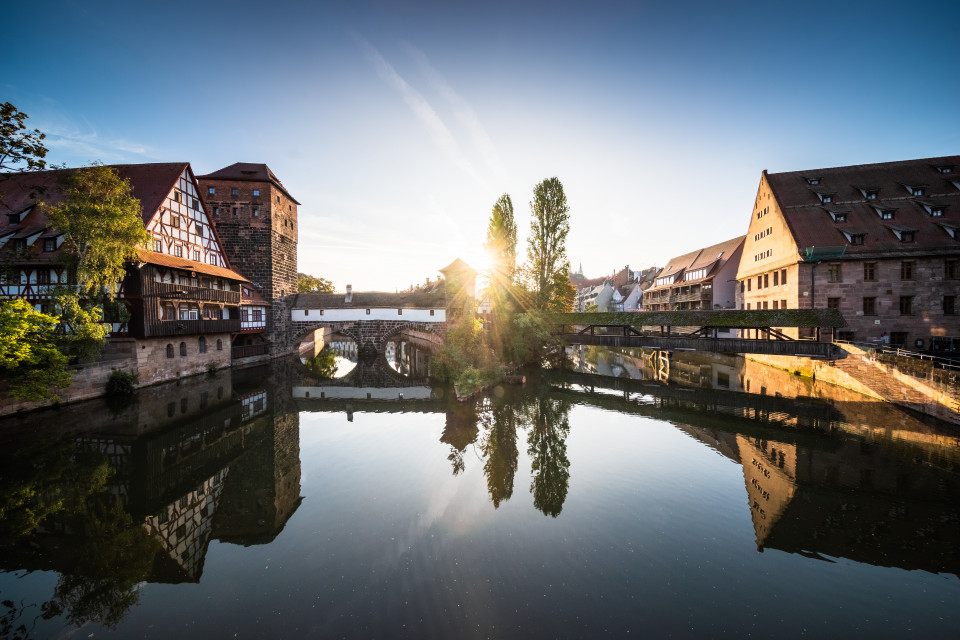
{"x": 603, "y": 500}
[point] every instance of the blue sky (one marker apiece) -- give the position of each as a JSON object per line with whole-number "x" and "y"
{"x": 398, "y": 124}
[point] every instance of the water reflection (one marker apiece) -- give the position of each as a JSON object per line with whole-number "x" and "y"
{"x": 113, "y": 501}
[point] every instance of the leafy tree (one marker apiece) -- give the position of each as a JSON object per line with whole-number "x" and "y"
{"x": 102, "y": 227}
{"x": 30, "y": 361}
{"x": 547, "y": 265}
{"x": 81, "y": 331}
{"x": 502, "y": 242}
{"x": 312, "y": 284}
{"x": 20, "y": 149}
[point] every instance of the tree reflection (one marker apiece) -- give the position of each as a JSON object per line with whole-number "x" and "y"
{"x": 460, "y": 432}
{"x": 547, "y": 447}
{"x": 500, "y": 450}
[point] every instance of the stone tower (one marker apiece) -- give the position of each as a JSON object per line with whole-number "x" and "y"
{"x": 256, "y": 219}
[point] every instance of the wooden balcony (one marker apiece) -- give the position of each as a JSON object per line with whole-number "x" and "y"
{"x": 155, "y": 328}
{"x": 151, "y": 288}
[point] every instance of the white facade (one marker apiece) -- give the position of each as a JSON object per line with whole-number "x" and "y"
{"x": 357, "y": 314}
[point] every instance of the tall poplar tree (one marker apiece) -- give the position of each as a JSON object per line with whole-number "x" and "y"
{"x": 547, "y": 264}
{"x": 501, "y": 245}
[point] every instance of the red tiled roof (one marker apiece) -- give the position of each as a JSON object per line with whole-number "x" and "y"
{"x": 165, "y": 260}
{"x": 248, "y": 172}
{"x": 812, "y": 225}
{"x": 710, "y": 258}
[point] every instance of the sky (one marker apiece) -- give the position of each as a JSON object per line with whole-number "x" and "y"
{"x": 397, "y": 125}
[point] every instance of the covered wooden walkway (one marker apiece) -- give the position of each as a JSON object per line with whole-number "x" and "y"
{"x": 722, "y": 331}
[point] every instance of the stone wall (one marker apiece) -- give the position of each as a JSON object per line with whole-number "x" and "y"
{"x": 155, "y": 366}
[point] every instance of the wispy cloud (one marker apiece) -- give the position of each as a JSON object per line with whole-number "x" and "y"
{"x": 437, "y": 130}
{"x": 462, "y": 109}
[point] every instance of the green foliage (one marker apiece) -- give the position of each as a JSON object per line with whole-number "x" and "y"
{"x": 122, "y": 383}
{"x": 464, "y": 358}
{"x": 102, "y": 227}
{"x": 547, "y": 265}
{"x": 82, "y": 333}
{"x": 30, "y": 361}
{"x": 324, "y": 365}
{"x": 312, "y": 284}
{"x": 502, "y": 243}
{"x": 527, "y": 341}
{"x": 20, "y": 149}
{"x": 211, "y": 369}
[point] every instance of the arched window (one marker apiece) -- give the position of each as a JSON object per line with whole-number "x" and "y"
{"x": 183, "y": 349}
{"x": 201, "y": 344}
{"x": 169, "y": 350}
{"x": 219, "y": 344}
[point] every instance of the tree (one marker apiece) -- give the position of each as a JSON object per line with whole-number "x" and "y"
{"x": 547, "y": 263}
{"x": 20, "y": 149}
{"x": 102, "y": 227}
{"x": 502, "y": 242}
{"x": 311, "y": 284}
{"x": 29, "y": 358}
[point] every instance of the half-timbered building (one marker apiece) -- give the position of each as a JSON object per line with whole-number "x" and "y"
{"x": 186, "y": 305}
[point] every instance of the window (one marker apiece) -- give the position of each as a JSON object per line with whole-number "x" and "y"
{"x": 783, "y": 304}
{"x": 869, "y": 271}
{"x": 194, "y": 204}
{"x": 834, "y": 273}
{"x": 898, "y": 338}
{"x": 775, "y": 302}
{"x": 233, "y": 191}
{"x": 783, "y": 276}
{"x": 368, "y": 311}
{"x": 158, "y": 246}
{"x": 399, "y": 312}
{"x": 949, "y": 305}
{"x": 174, "y": 221}
{"x": 183, "y": 349}
{"x": 906, "y": 305}
{"x": 177, "y": 196}
{"x": 765, "y": 304}
{"x": 833, "y": 303}
{"x": 196, "y": 256}
{"x": 178, "y": 251}
{"x": 759, "y": 282}
{"x": 200, "y": 231}
{"x": 748, "y": 306}
{"x": 49, "y": 244}
{"x": 870, "y": 194}
{"x": 951, "y": 269}
{"x": 813, "y": 181}
{"x": 219, "y": 344}
{"x": 906, "y": 270}
{"x": 235, "y": 211}
{"x": 743, "y": 287}
{"x": 856, "y": 239}
{"x": 431, "y": 311}
{"x": 201, "y": 344}
{"x": 870, "y": 306}
{"x": 936, "y": 212}
{"x": 749, "y": 283}
{"x": 216, "y": 211}
{"x": 907, "y": 236}
{"x": 776, "y": 278}
{"x": 256, "y": 213}
{"x": 827, "y": 197}
{"x": 766, "y": 280}
{"x": 839, "y": 217}
{"x": 916, "y": 191}
{"x": 945, "y": 169}
{"x": 256, "y": 192}
{"x": 211, "y": 191}
{"x": 43, "y": 276}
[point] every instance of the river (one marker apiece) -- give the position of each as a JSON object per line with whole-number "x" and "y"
{"x": 706, "y": 496}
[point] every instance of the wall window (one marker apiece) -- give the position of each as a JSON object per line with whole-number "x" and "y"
{"x": 196, "y": 256}
{"x": 399, "y": 312}
{"x": 775, "y": 303}
{"x": 431, "y": 311}
{"x": 951, "y": 269}
{"x": 169, "y": 350}
{"x": 869, "y": 271}
{"x": 834, "y": 273}
{"x": 776, "y": 278}
{"x": 783, "y": 276}
{"x": 178, "y": 251}
{"x": 766, "y": 280}
{"x": 216, "y": 211}
{"x": 906, "y": 305}
{"x": 158, "y": 246}
{"x": 759, "y": 282}
{"x": 833, "y": 303}
{"x": 783, "y": 304}
{"x": 174, "y": 221}
{"x": 200, "y": 231}
{"x": 201, "y": 344}
{"x": 256, "y": 213}
{"x": 183, "y": 349}
{"x": 211, "y": 190}
{"x": 906, "y": 270}
{"x": 368, "y": 311}
{"x": 219, "y": 344}
{"x": 256, "y": 192}
{"x": 233, "y": 191}
{"x": 870, "y": 306}
{"x": 949, "y": 305}
{"x": 49, "y": 244}
{"x": 749, "y": 283}
{"x": 194, "y": 204}
{"x": 236, "y": 211}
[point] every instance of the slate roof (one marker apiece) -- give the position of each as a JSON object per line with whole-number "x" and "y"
{"x": 248, "y": 172}
{"x": 373, "y": 299}
{"x": 812, "y": 226}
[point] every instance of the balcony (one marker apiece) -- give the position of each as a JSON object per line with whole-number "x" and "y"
{"x": 247, "y": 350}
{"x": 156, "y": 328}
{"x": 151, "y": 288}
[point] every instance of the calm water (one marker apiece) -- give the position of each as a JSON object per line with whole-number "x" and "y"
{"x": 732, "y": 500}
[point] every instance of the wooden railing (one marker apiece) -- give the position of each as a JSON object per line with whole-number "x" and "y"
{"x": 247, "y": 350}
{"x": 186, "y": 292}
{"x": 153, "y": 328}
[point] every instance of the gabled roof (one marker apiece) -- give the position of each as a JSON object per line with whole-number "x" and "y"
{"x": 166, "y": 260}
{"x": 711, "y": 258}
{"x": 812, "y": 226}
{"x": 457, "y": 266}
{"x": 248, "y": 172}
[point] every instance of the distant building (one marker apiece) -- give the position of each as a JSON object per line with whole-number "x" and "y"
{"x": 701, "y": 279}
{"x": 879, "y": 242}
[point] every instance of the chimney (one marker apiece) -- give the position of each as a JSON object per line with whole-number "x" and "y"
{"x": 349, "y": 298}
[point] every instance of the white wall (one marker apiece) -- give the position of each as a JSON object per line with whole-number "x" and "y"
{"x": 352, "y": 315}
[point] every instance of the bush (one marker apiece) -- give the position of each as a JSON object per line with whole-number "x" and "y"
{"x": 121, "y": 383}
{"x": 211, "y": 369}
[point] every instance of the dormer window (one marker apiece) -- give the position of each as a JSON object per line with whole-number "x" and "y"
{"x": 826, "y": 197}
{"x": 869, "y": 193}
{"x": 813, "y": 180}
{"x": 838, "y": 216}
{"x": 885, "y": 213}
{"x": 951, "y": 230}
{"x": 49, "y": 244}
{"x": 917, "y": 191}
{"x": 945, "y": 169}
{"x": 904, "y": 234}
{"x": 933, "y": 210}
{"x": 854, "y": 236}
{"x": 13, "y": 218}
